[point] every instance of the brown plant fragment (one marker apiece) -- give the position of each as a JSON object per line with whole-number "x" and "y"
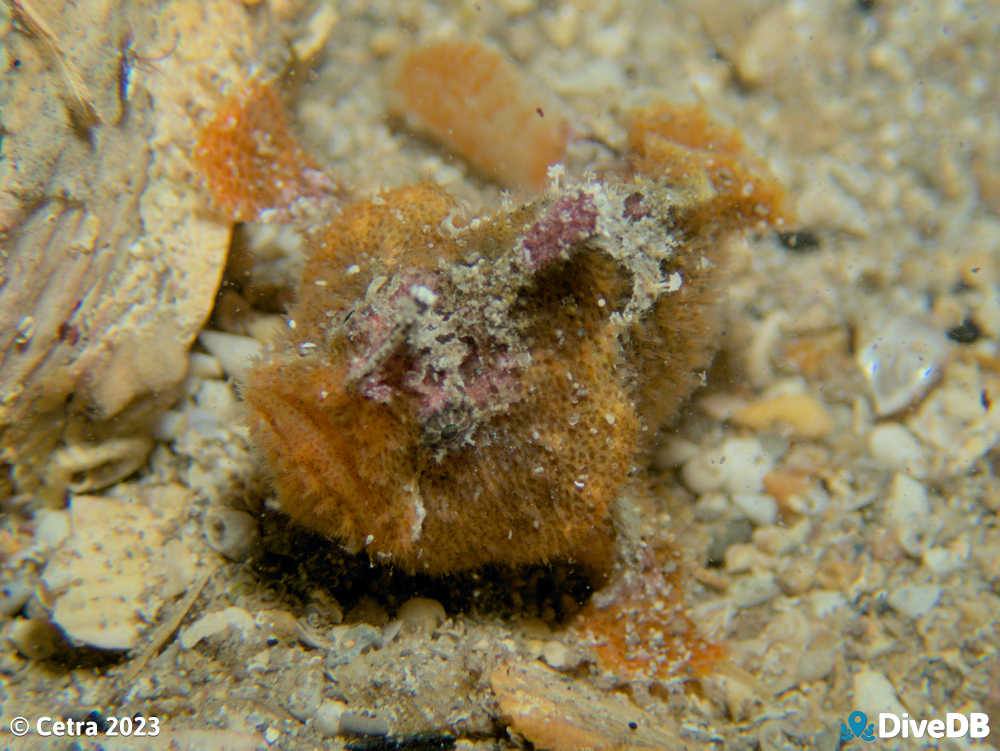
{"x": 555, "y": 712}
{"x": 251, "y": 162}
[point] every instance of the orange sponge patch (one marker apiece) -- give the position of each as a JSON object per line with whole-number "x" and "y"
{"x": 480, "y": 105}
{"x": 250, "y": 160}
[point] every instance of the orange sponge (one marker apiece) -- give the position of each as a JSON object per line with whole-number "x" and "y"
{"x": 251, "y": 162}
{"x": 476, "y": 101}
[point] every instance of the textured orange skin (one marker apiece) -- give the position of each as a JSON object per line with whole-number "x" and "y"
{"x": 476, "y": 101}
{"x": 249, "y": 158}
{"x": 540, "y": 482}
{"x": 352, "y": 468}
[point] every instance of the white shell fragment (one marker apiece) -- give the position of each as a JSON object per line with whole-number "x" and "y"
{"x": 111, "y": 575}
{"x": 901, "y": 361}
{"x": 217, "y": 622}
{"x": 914, "y": 600}
{"x": 873, "y": 693}
{"x": 327, "y": 719}
{"x": 737, "y": 466}
{"x": 236, "y": 353}
{"x": 896, "y": 448}
{"x": 956, "y": 422}
{"x": 908, "y": 514}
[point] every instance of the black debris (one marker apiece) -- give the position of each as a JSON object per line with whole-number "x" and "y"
{"x": 966, "y": 332}
{"x": 415, "y": 742}
{"x": 799, "y": 240}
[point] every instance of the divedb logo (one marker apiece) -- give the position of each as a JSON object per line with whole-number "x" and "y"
{"x": 889, "y": 725}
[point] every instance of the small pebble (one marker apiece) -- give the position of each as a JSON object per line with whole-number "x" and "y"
{"x": 744, "y": 557}
{"x": 746, "y": 463}
{"x": 218, "y": 397}
{"x": 896, "y": 448}
{"x": 363, "y": 723}
{"x": 824, "y": 602}
{"x": 901, "y": 362}
{"x": 946, "y": 560}
{"x": 557, "y": 655}
{"x": 610, "y": 42}
{"x": 742, "y": 698}
{"x": 783, "y": 484}
{"x": 778, "y": 540}
{"x": 234, "y": 352}
{"x": 51, "y": 528}
{"x": 734, "y": 532}
{"x": 271, "y": 735}
{"x": 813, "y": 502}
{"x": 914, "y": 600}
{"x": 759, "y": 508}
{"x": 873, "y": 694}
{"x": 204, "y": 367}
{"x": 754, "y": 590}
{"x": 327, "y": 717}
{"x": 422, "y": 613}
{"x": 704, "y": 472}
{"x": 908, "y": 513}
{"x": 561, "y": 26}
{"x": 819, "y": 657}
{"x": 712, "y": 507}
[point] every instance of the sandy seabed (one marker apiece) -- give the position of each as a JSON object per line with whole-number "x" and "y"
{"x": 849, "y": 567}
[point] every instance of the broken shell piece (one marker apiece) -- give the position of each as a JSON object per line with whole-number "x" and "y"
{"x": 217, "y": 622}
{"x": 84, "y": 469}
{"x": 901, "y": 362}
{"x": 555, "y": 712}
{"x": 106, "y": 582}
{"x": 109, "y": 216}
